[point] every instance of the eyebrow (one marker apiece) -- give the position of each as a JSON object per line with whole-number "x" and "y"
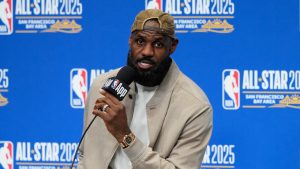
{"x": 155, "y": 37}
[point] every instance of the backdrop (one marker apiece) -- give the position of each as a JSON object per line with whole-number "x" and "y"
{"x": 243, "y": 54}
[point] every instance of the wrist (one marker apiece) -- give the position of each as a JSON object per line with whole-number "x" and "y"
{"x": 127, "y": 140}
{"x": 120, "y": 135}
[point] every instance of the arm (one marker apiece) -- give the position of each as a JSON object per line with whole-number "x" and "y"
{"x": 186, "y": 154}
{"x": 188, "y": 151}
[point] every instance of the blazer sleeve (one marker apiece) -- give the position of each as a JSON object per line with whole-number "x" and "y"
{"x": 187, "y": 153}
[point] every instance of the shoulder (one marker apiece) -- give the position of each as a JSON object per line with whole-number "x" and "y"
{"x": 190, "y": 96}
{"x": 188, "y": 87}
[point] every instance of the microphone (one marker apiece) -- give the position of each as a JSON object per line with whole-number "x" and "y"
{"x": 117, "y": 86}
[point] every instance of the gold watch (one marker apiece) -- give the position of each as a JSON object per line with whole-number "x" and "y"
{"x": 127, "y": 140}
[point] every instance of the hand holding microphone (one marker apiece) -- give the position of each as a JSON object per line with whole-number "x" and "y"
{"x": 110, "y": 108}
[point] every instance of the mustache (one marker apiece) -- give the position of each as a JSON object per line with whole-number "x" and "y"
{"x": 146, "y": 59}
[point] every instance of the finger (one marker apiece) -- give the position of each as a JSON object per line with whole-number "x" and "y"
{"x": 104, "y": 108}
{"x": 110, "y": 96}
{"x": 103, "y": 115}
{"x": 106, "y": 100}
{"x": 108, "y": 110}
{"x": 100, "y": 100}
{"x": 99, "y": 106}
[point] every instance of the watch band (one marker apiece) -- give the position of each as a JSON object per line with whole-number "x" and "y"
{"x": 127, "y": 140}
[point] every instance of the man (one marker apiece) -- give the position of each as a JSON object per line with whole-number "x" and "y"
{"x": 165, "y": 121}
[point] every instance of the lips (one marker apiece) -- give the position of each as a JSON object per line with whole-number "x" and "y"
{"x": 145, "y": 64}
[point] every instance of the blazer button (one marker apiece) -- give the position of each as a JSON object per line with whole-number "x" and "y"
{"x": 130, "y": 96}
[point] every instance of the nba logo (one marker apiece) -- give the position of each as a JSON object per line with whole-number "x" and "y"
{"x": 6, "y": 155}
{"x": 153, "y": 4}
{"x": 115, "y": 83}
{"x": 6, "y": 17}
{"x": 231, "y": 89}
{"x": 78, "y": 87}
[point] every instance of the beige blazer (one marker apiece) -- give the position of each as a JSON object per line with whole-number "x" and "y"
{"x": 180, "y": 125}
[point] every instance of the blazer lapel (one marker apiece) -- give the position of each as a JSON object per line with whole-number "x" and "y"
{"x": 157, "y": 107}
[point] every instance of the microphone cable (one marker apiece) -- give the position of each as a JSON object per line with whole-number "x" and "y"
{"x": 75, "y": 155}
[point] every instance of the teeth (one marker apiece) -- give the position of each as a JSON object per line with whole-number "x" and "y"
{"x": 144, "y": 65}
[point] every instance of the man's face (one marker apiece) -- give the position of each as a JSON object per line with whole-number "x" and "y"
{"x": 149, "y": 54}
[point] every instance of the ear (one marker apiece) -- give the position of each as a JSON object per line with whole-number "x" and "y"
{"x": 174, "y": 45}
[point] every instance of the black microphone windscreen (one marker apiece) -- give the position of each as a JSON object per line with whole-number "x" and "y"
{"x": 127, "y": 74}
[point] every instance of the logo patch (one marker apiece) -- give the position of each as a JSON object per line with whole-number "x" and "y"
{"x": 231, "y": 89}
{"x": 260, "y": 89}
{"x": 6, "y": 155}
{"x": 198, "y": 16}
{"x": 50, "y": 16}
{"x": 115, "y": 83}
{"x": 154, "y": 4}
{"x": 78, "y": 87}
{"x": 6, "y": 17}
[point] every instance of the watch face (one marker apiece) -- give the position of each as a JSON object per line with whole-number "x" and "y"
{"x": 128, "y": 140}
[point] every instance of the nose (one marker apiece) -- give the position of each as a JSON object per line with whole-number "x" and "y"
{"x": 148, "y": 50}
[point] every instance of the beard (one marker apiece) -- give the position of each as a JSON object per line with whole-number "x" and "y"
{"x": 152, "y": 77}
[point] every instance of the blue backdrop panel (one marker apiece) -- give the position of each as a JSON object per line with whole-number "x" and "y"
{"x": 243, "y": 54}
